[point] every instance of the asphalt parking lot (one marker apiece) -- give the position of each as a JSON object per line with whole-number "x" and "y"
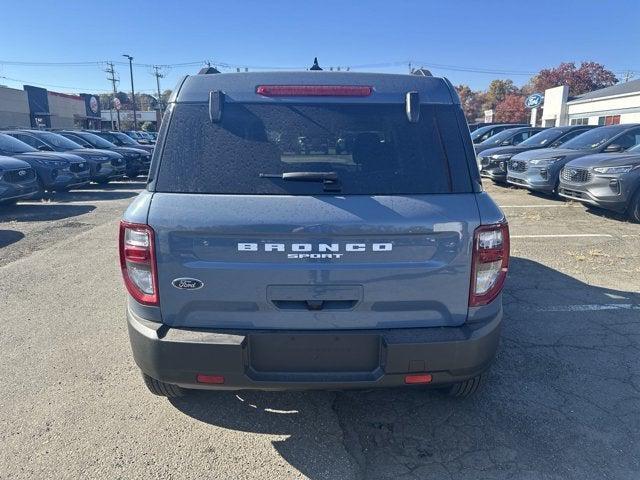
{"x": 562, "y": 400}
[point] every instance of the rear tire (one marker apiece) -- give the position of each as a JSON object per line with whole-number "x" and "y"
{"x": 634, "y": 208}
{"x": 162, "y": 389}
{"x": 8, "y": 203}
{"x": 464, "y": 389}
{"x": 103, "y": 181}
{"x": 132, "y": 173}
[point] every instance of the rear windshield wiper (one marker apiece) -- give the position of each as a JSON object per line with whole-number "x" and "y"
{"x": 330, "y": 180}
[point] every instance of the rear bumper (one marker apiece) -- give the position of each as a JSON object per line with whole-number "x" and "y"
{"x": 254, "y": 359}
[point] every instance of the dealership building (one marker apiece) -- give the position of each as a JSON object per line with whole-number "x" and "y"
{"x": 619, "y": 103}
{"x": 35, "y": 107}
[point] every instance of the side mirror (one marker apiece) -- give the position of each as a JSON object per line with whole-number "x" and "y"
{"x": 613, "y": 148}
{"x": 45, "y": 148}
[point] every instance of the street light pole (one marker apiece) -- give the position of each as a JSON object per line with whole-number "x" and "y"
{"x": 133, "y": 93}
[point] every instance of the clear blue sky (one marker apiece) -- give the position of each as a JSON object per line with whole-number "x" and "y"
{"x": 444, "y": 36}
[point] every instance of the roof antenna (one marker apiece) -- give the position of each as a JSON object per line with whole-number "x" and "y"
{"x": 315, "y": 66}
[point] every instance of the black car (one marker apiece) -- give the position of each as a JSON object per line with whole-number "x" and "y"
{"x": 18, "y": 181}
{"x": 606, "y": 180}
{"x": 493, "y": 161}
{"x": 481, "y": 134}
{"x": 508, "y": 137}
{"x": 137, "y": 159}
{"x": 104, "y": 165}
{"x": 121, "y": 139}
{"x": 55, "y": 170}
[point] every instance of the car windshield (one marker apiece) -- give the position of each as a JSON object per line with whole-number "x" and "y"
{"x": 481, "y": 131}
{"x": 57, "y": 141}
{"x": 95, "y": 140}
{"x": 371, "y": 149}
{"x": 13, "y": 145}
{"x": 543, "y": 138}
{"x": 126, "y": 139}
{"x": 593, "y": 139}
{"x": 498, "y": 138}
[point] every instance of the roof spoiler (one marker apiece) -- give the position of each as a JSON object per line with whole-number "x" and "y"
{"x": 216, "y": 105}
{"x": 412, "y": 106}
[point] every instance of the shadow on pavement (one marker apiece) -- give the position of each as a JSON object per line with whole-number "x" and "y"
{"x": 562, "y": 401}
{"x": 7, "y": 237}
{"x": 42, "y": 212}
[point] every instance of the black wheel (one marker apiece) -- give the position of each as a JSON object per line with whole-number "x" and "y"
{"x": 162, "y": 389}
{"x": 9, "y": 202}
{"x": 464, "y": 389}
{"x": 132, "y": 173}
{"x": 634, "y": 208}
{"x": 102, "y": 181}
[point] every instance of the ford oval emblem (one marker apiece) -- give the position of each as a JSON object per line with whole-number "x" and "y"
{"x": 534, "y": 100}
{"x": 187, "y": 283}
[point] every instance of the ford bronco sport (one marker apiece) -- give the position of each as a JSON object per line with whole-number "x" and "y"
{"x": 313, "y": 230}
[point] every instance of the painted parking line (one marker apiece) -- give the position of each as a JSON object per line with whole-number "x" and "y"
{"x": 536, "y": 206}
{"x": 566, "y": 235}
{"x": 587, "y": 307}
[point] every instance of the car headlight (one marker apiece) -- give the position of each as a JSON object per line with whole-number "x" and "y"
{"x": 545, "y": 161}
{"x": 501, "y": 156}
{"x": 613, "y": 170}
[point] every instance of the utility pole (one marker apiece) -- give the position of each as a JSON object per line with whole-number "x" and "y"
{"x": 113, "y": 79}
{"x": 158, "y": 75}
{"x": 628, "y": 76}
{"x": 133, "y": 93}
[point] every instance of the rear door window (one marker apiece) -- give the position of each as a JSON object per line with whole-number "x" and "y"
{"x": 373, "y": 149}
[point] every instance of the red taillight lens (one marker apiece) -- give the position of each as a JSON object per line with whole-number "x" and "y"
{"x": 490, "y": 262}
{"x": 138, "y": 262}
{"x": 314, "y": 90}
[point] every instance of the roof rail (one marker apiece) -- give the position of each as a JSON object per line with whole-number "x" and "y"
{"x": 208, "y": 71}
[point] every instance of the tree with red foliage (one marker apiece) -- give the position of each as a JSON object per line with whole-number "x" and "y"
{"x": 471, "y": 102}
{"x": 511, "y": 109}
{"x": 586, "y": 78}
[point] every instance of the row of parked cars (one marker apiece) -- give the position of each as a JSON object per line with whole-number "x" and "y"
{"x": 35, "y": 161}
{"x": 596, "y": 165}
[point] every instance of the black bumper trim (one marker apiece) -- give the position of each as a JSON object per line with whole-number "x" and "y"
{"x": 177, "y": 355}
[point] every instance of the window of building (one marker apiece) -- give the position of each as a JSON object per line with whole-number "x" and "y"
{"x": 609, "y": 120}
{"x": 580, "y": 121}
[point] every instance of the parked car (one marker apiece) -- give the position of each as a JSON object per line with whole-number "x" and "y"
{"x": 18, "y": 181}
{"x": 121, "y": 140}
{"x": 251, "y": 264}
{"x": 606, "y": 180}
{"x": 137, "y": 160}
{"x": 493, "y": 161}
{"x": 508, "y": 137}
{"x": 104, "y": 165}
{"x": 56, "y": 171}
{"x": 539, "y": 170}
{"x": 483, "y": 133}
{"x": 138, "y": 136}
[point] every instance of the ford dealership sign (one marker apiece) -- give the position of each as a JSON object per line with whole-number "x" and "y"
{"x": 534, "y": 100}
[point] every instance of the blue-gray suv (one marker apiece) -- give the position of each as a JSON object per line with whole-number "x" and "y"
{"x": 18, "y": 180}
{"x": 539, "y": 170}
{"x": 55, "y": 171}
{"x": 104, "y": 165}
{"x": 313, "y": 230}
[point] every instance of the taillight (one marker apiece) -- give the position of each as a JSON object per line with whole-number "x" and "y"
{"x": 314, "y": 90}
{"x": 138, "y": 262}
{"x": 490, "y": 262}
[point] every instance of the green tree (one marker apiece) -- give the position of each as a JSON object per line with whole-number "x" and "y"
{"x": 497, "y": 92}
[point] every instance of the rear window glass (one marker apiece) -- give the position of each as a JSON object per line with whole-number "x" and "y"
{"x": 373, "y": 149}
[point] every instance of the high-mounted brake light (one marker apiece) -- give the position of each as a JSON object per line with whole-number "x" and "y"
{"x": 314, "y": 90}
{"x": 138, "y": 262}
{"x": 490, "y": 262}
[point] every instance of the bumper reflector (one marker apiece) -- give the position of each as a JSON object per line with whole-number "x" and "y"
{"x": 216, "y": 379}
{"x": 418, "y": 378}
